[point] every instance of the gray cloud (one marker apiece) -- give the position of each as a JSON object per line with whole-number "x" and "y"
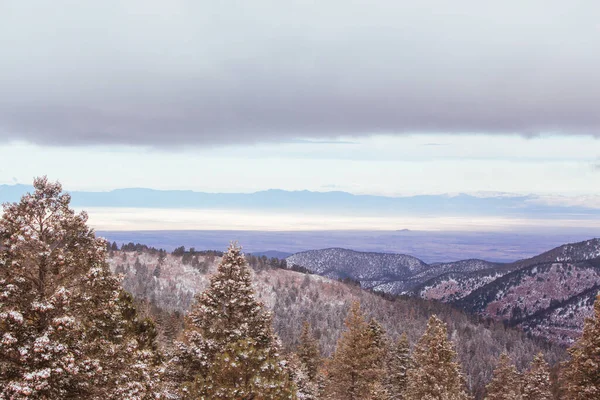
{"x": 182, "y": 72}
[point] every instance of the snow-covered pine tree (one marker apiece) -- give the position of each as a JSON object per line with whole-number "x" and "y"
{"x": 506, "y": 384}
{"x": 308, "y": 352}
{"x": 378, "y": 338}
{"x": 536, "y": 382}
{"x": 436, "y": 375}
{"x": 307, "y": 389}
{"x": 581, "y": 374}
{"x": 354, "y": 370}
{"x": 230, "y": 350}
{"x": 398, "y": 364}
{"x": 246, "y": 370}
{"x": 380, "y": 346}
{"x": 68, "y": 329}
{"x": 306, "y": 365}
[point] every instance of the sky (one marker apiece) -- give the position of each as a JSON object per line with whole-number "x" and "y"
{"x": 371, "y": 97}
{"x": 556, "y": 166}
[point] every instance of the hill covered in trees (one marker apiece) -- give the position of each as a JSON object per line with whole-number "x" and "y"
{"x": 385, "y": 272}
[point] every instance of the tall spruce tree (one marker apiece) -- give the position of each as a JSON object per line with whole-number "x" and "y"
{"x": 436, "y": 375}
{"x": 68, "y": 329}
{"x": 354, "y": 371}
{"x": 581, "y": 374}
{"x": 230, "y": 350}
{"x": 506, "y": 383}
{"x": 536, "y": 382}
{"x": 399, "y": 362}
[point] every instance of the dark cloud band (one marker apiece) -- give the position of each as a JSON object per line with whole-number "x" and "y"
{"x": 188, "y": 72}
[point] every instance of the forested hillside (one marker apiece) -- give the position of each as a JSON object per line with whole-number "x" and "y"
{"x": 170, "y": 282}
{"x": 384, "y": 272}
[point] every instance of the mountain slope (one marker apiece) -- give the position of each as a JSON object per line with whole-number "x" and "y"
{"x": 513, "y": 292}
{"x": 372, "y": 270}
{"x": 562, "y": 322}
{"x": 530, "y": 289}
{"x": 453, "y": 286}
{"x": 383, "y": 272}
{"x": 527, "y": 292}
{"x": 459, "y": 284}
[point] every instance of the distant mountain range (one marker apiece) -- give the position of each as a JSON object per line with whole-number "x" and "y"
{"x": 335, "y": 201}
{"x": 547, "y": 295}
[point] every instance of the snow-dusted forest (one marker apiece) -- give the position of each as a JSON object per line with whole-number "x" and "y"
{"x": 81, "y": 318}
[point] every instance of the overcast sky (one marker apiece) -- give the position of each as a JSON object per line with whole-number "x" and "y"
{"x": 384, "y": 97}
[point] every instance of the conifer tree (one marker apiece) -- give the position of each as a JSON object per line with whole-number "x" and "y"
{"x": 536, "y": 382}
{"x": 399, "y": 362}
{"x": 68, "y": 329}
{"x": 581, "y": 374}
{"x": 307, "y": 364}
{"x": 378, "y": 336}
{"x": 307, "y": 389}
{"x": 436, "y": 375}
{"x": 379, "y": 347}
{"x": 506, "y": 383}
{"x": 230, "y": 350}
{"x": 354, "y": 368}
{"x": 308, "y": 352}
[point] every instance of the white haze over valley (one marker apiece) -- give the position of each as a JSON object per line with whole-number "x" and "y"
{"x": 108, "y": 218}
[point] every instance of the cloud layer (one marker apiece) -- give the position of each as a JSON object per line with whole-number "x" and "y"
{"x": 185, "y": 72}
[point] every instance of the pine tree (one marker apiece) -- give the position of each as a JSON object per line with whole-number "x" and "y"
{"x": 245, "y": 370}
{"x": 308, "y": 352}
{"x": 581, "y": 374}
{"x": 307, "y": 362}
{"x": 536, "y": 382}
{"x": 506, "y": 383}
{"x": 355, "y": 366}
{"x": 68, "y": 329}
{"x": 399, "y": 362}
{"x": 230, "y": 350}
{"x": 307, "y": 389}
{"x": 436, "y": 375}
{"x": 379, "y": 339}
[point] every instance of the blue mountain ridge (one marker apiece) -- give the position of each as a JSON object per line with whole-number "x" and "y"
{"x": 334, "y": 201}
